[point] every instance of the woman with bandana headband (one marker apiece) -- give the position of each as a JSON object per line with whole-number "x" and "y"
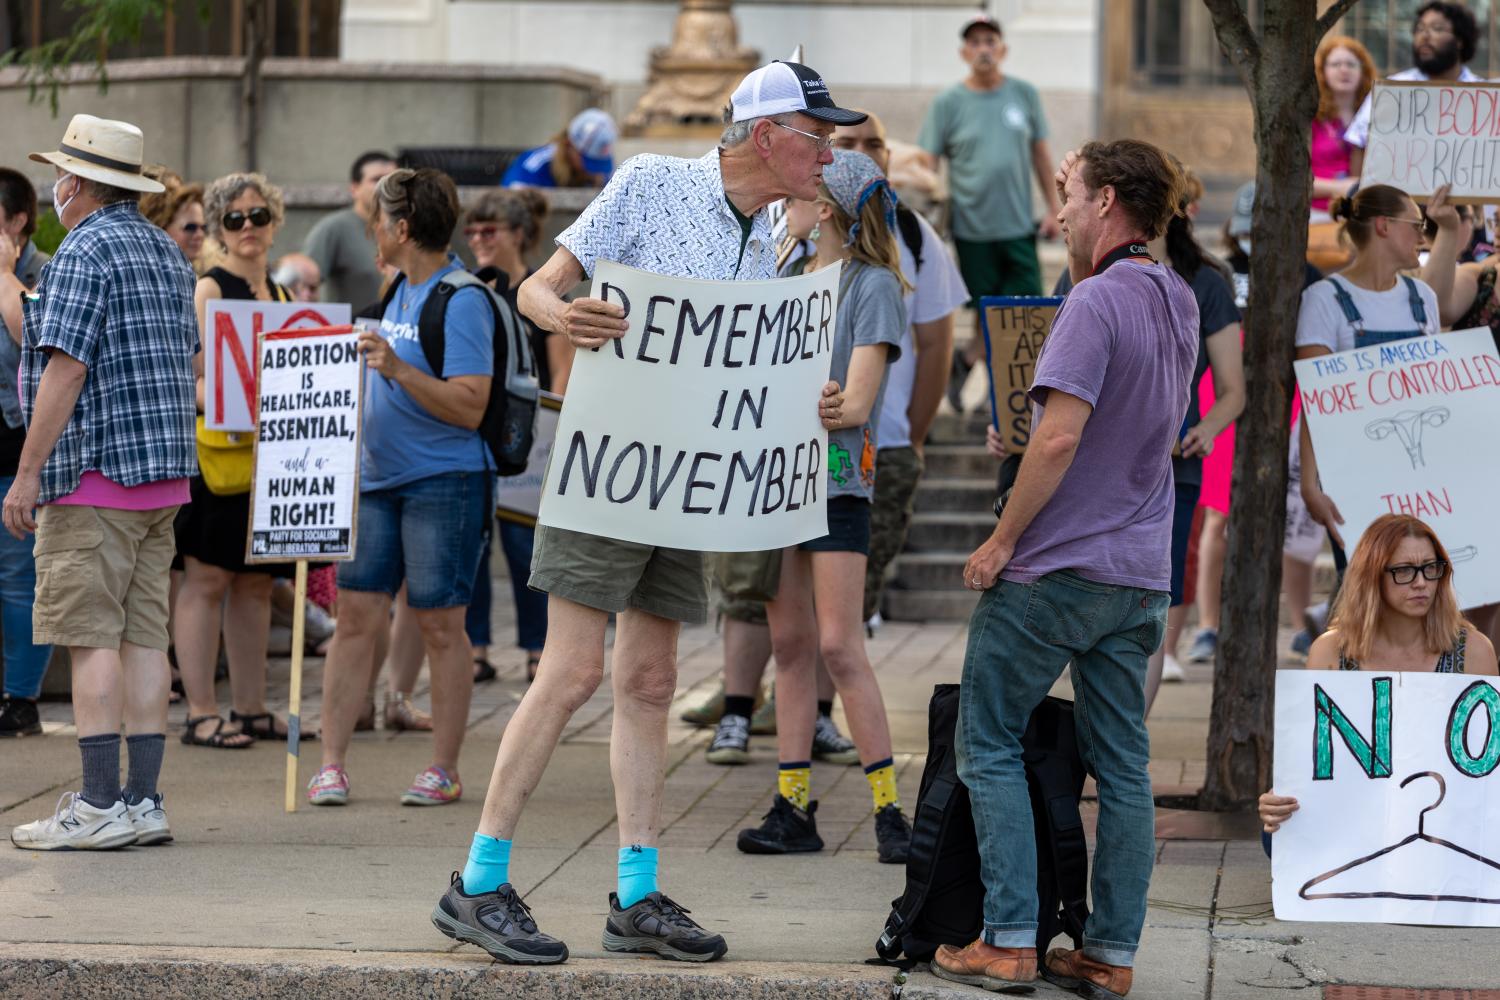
{"x": 817, "y": 610}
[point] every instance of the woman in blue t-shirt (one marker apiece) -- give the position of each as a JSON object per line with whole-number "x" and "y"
{"x": 820, "y": 599}
{"x": 425, "y": 476}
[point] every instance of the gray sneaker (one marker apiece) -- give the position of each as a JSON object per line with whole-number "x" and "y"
{"x": 731, "y": 744}
{"x": 499, "y": 922}
{"x": 658, "y": 925}
{"x": 831, "y": 745}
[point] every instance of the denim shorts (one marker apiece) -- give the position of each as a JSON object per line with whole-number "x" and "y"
{"x": 429, "y": 533}
{"x": 848, "y": 527}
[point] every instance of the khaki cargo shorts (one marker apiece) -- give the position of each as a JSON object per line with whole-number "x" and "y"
{"x": 613, "y": 575}
{"x": 102, "y": 576}
{"x": 745, "y": 581}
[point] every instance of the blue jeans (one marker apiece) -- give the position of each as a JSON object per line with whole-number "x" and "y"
{"x": 429, "y": 533}
{"x": 516, "y": 540}
{"x": 1021, "y": 636}
{"x": 25, "y": 663}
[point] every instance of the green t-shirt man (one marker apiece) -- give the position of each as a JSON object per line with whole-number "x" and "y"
{"x": 987, "y": 137}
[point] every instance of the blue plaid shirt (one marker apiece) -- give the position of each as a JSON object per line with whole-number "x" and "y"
{"x": 118, "y": 297}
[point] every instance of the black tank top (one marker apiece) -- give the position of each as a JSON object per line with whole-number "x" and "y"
{"x": 232, "y": 286}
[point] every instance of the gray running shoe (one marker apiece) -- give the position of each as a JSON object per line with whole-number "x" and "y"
{"x": 499, "y": 922}
{"x": 658, "y": 925}
{"x": 731, "y": 744}
{"x": 831, "y": 745}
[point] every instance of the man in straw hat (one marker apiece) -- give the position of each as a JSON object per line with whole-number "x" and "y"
{"x": 107, "y": 385}
{"x": 706, "y": 219}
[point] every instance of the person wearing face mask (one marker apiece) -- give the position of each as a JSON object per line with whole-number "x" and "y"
{"x": 1444, "y": 37}
{"x": 107, "y": 388}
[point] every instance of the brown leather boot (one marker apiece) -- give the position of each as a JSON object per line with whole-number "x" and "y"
{"x": 1073, "y": 970}
{"x": 999, "y": 970}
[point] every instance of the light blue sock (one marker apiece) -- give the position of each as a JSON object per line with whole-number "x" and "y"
{"x": 489, "y": 865}
{"x": 637, "y": 874}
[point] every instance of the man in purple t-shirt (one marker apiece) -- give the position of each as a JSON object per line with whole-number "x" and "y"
{"x": 1077, "y": 571}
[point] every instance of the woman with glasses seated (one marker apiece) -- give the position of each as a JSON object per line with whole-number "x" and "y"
{"x": 1397, "y": 612}
{"x": 243, "y": 212}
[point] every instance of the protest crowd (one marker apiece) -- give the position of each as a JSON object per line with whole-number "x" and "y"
{"x": 127, "y": 512}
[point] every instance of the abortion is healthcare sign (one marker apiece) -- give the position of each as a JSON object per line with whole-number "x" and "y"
{"x": 1398, "y": 800}
{"x": 1403, "y": 428}
{"x": 1430, "y": 133}
{"x": 306, "y": 489}
{"x": 699, "y": 429}
{"x": 231, "y": 328}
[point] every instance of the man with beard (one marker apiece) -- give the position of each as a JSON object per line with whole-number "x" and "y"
{"x": 1443, "y": 39}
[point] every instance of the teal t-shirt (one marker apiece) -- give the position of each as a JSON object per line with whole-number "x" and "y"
{"x": 986, "y": 138}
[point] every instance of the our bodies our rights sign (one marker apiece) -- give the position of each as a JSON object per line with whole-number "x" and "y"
{"x": 1397, "y": 429}
{"x": 1395, "y": 779}
{"x": 1424, "y": 134}
{"x": 306, "y": 484}
{"x": 699, "y": 429}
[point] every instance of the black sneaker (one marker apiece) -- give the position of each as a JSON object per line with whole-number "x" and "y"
{"x": 731, "y": 743}
{"x": 499, "y": 922}
{"x": 786, "y": 830}
{"x": 892, "y": 835}
{"x": 18, "y": 717}
{"x": 662, "y": 927}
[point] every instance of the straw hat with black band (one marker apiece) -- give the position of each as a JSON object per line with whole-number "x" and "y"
{"x": 98, "y": 149}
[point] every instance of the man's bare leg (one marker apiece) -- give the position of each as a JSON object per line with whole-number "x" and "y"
{"x": 644, "y": 676}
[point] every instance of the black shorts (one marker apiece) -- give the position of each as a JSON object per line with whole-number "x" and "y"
{"x": 212, "y": 529}
{"x": 848, "y": 527}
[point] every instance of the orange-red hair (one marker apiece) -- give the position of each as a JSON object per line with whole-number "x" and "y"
{"x": 1360, "y": 603}
{"x": 1327, "y": 109}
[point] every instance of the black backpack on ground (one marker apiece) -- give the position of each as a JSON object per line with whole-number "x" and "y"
{"x": 508, "y": 427}
{"x": 944, "y": 898}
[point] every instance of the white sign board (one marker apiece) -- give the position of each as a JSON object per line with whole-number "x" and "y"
{"x": 230, "y": 329}
{"x": 1425, "y": 134}
{"x": 518, "y": 498}
{"x": 1398, "y": 803}
{"x": 699, "y": 428}
{"x": 306, "y": 490}
{"x": 1394, "y": 428}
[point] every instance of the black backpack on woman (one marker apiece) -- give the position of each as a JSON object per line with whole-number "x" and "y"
{"x": 944, "y": 898}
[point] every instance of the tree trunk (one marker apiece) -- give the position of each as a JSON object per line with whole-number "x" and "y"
{"x": 250, "y": 85}
{"x": 1284, "y": 91}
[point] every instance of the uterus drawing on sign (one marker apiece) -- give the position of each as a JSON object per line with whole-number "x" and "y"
{"x": 1409, "y": 426}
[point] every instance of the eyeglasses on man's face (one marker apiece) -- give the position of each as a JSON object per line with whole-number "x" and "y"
{"x": 1406, "y": 573}
{"x": 823, "y": 143}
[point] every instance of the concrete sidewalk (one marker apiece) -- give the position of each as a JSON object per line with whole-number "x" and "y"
{"x": 334, "y": 902}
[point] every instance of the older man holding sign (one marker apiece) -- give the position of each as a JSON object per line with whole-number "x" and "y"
{"x": 704, "y": 219}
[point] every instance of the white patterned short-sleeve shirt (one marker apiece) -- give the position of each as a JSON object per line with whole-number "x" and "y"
{"x": 668, "y": 215}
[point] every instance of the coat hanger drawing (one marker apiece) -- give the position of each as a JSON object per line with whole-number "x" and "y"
{"x": 1421, "y": 834}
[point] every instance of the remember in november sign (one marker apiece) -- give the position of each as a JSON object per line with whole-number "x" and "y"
{"x": 1393, "y": 773}
{"x": 699, "y": 428}
{"x": 232, "y": 326}
{"x": 1424, "y": 134}
{"x": 306, "y": 486}
{"x": 1394, "y": 428}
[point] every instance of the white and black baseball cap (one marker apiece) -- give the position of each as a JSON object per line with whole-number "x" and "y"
{"x": 780, "y": 87}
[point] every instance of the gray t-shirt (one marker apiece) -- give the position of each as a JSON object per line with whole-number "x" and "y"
{"x": 1125, "y": 342}
{"x": 986, "y": 137}
{"x": 346, "y": 255}
{"x": 870, "y": 311}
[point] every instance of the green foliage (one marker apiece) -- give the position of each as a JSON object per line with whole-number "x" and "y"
{"x": 49, "y": 232}
{"x": 97, "y": 24}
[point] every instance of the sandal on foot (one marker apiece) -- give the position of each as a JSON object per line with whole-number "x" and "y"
{"x": 484, "y": 671}
{"x": 218, "y": 739}
{"x": 262, "y": 726}
{"x": 533, "y": 660}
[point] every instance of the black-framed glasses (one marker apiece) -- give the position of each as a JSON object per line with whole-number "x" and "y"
{"x": 259, "y": 217}
{"x": 1406, "y": 573}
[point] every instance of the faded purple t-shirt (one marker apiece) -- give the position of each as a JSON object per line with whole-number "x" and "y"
{"x": 1125, "y": 342}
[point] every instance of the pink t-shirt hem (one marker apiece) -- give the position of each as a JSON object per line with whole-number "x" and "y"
{"x": 97, "y": 490}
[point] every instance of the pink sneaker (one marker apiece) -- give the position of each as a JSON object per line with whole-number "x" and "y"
{"x": 433, "y": 787}
{"x": 329, "y": 787}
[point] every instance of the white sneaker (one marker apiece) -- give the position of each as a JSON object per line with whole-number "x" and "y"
{"x": 77, "y": 826}
{"x": 150, "y": 822}
{"x": 1171, "y": 671}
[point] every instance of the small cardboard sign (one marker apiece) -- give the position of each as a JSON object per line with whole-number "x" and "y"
{"x": 1014, "y": 327}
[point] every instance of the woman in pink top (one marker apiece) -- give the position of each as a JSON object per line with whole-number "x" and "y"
{"x": 1345, "y": 75}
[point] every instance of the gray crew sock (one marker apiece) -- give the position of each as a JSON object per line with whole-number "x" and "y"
{"x": 101, "y": 769}
{"x": 146, "y": 751}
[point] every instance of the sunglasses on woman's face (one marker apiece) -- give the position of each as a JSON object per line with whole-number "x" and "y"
{"x": 481, "y": 232}
{"x": 192, "y": 227}
{"x": 1406, "y": 573}
{"x": 257, "y": 217}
